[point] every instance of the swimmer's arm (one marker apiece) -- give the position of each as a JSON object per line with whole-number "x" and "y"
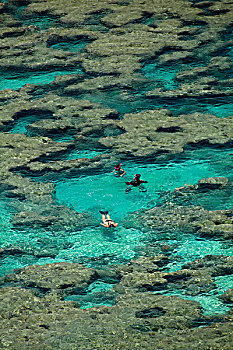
{"x": 123, "y": 172}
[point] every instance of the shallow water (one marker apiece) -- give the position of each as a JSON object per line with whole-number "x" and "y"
{"x": 223, "y": 110}
{"x": 137, "y": 101}
{"x": 96, "y": 295}
{"x": 210, "y": 302}
{"x": 190, "y": 247}
{"x": 164, "y": 77}
{"x": 72, "y": 47}
{"x": 106, "y": 191}
{"x": 103, "y": 191}
{"x": 15, "y": 81}
{"x": 19, "y": 126}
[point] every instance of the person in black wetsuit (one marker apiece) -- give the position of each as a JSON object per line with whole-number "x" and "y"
{"x": 136, "y": 181}
{"x": 106, "y": 220}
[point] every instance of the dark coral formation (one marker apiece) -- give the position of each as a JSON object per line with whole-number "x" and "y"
{"x": 154, "y": 132}
{"x": 184, "y": 210}
{"x": 34, "y": 315}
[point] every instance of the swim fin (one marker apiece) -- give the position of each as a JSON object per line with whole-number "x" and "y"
{"x": 103, "y": 212}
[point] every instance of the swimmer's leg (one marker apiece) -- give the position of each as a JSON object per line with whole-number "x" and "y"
{"x": 103, "y": 214}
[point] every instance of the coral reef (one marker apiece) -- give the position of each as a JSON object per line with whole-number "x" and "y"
{"x": 179, "y": 211}
{"x": 129, "y": 80}
{"x": 33, "y": 310}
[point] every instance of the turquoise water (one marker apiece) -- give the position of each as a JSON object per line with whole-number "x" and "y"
{"x": 92, "y": 193}
{"x": 96, "y": 245}
{"x": 75, "y": 154}
{"x": 97, "y": 192}
{"x": 113, "y": 247}
{"x": 71, "y": 46}
{"x": 96, "y": 295}
{"x": 42, "y": 22}
{"x": 224, "y": 110}
{"x": 164, "y": 77}
{"x": 210, "y": 302}
{"x": 189, "y": 248}
{"x": 21, "y": 124}
{"x": 106, "y": 191}
{"x": 133, "y": 101}
{"x": 5, "y": 219}
{"x": 16, "y": 80}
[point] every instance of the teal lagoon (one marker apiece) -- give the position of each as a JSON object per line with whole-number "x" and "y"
{"x": 106, "y": 191}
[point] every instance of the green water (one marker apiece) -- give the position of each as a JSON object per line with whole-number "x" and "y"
{"x": 42, "y": 22}
{"x": 108, "y": 192}
{"x": 97, "y": 245}
{"x": 21, "y": 123}
{"x": 5, "y": 219}
{"x": 128, "y": 101}
{"x": 189, "y": 248}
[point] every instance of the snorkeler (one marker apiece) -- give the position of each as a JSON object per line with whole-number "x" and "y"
{"x": 118, "y": 170}
{"x": 106, "y": 220}
{"x": 136, "y": 181}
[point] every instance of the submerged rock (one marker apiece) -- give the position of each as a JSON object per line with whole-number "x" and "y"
{"x": 156, "y": 131}
{"x": 79, "y": 106}
{"x": 193, "y": 279}
{"x": 182, "y": 210}
{"x": 58, "y": 278}
{"x": 135, "y": 320}
{"x": 142, "y": 274}
{"x": 198, "y": 276}
{"x": 53, "y": 218}
{"x": 213, "y": 183}
{"x": 227, "y": 297}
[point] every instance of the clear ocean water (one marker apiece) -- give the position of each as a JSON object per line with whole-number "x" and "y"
{"x": 95, "y": 245}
